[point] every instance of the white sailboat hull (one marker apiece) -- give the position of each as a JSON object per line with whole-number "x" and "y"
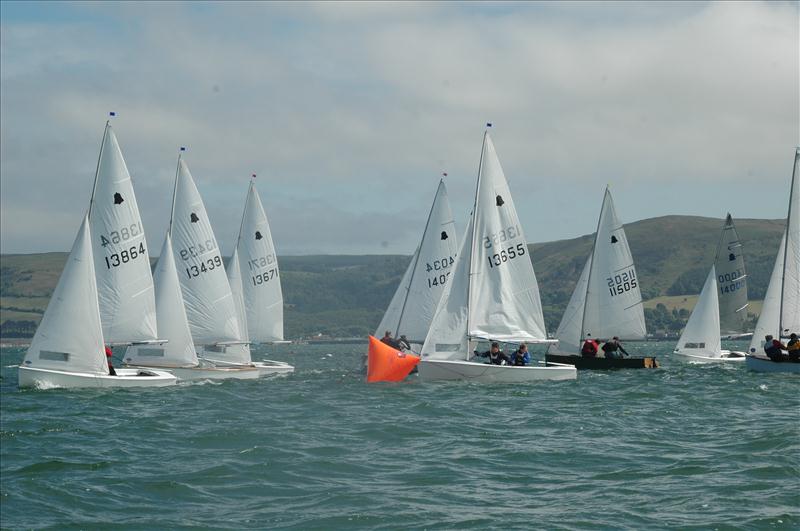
{"x": 49, "y": 378}
{"x": 433, "y": 370}
{"x": 207, "y": 373}
{"x": 270, "y": 367}
{"x": 758, "y": 364}
{"x": 265, "y": 367}
{"x": 725, "y": 357}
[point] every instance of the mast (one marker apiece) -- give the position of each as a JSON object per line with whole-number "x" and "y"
{"x": 175, "y": 190}
{"x": 416, "y": 260}
{"x": 591, "y": 264}
{"x": 472, "y": 236}
{"x": 786, "y": 243}
{"x": 99, "y": 158}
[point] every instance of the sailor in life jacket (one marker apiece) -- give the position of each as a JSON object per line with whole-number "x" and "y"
{"x": 589, "y": 348}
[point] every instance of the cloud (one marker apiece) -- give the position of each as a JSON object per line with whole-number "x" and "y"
{"x": 349, "y": 112}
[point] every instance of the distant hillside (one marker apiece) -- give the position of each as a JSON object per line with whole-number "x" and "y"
{"x": 346, "y": 295}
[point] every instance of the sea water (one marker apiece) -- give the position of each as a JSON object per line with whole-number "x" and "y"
{"x": 685, "y": 446}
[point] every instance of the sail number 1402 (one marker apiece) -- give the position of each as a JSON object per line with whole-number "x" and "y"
{"x": 505, "y": 255}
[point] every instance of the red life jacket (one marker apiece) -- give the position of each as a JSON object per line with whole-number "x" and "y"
{"x": 589, "y": 347}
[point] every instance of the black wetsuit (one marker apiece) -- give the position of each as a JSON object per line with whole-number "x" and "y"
{"x": 495, "y": 358}
{"x": 611, "y": 347}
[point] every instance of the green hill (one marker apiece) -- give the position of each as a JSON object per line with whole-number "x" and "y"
{"x": 346, "y": 295}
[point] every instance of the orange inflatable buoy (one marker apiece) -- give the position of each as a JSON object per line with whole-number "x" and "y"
{"x": 386, "y": 364}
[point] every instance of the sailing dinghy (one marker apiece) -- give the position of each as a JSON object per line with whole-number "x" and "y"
{"x": 207, "y": 297}
{"x": 721, "y": 307}
{"x": 700, "y": 339}
{"x": 258, "y": 295}
{"x": 492, "y": 294}
{"x": 606, "y": 301}
{"x": 780, "y": 313}
{"x": 67, "y": 349}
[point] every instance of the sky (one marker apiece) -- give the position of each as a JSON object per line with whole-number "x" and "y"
{"x": 350, "y": 112}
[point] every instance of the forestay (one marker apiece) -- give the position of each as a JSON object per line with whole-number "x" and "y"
{"x": 178, "y": 351}
{"x": 414, "y": 303}
{"x": 207, "y": 296}
{"x": 70, "y": 336}
{"x": 701, "y": 335}
{"x": 731, "y": 280}
{"x": 121, "y": 257}
{"x": 263, "y": 297}
{"x": 613, "y": 300}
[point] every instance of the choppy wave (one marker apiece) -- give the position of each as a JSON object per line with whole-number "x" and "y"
{"x": 685, "y": 446}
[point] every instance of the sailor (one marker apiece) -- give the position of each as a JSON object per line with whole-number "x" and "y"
{"x": 611, "y": 347}
{"x": 389, "y": 340}
{"x": 403, "y": 343}
{"x": 774, "y": 349}
{"x": 521, "y": 356}
{"x": 495, "y": 355}
{"x": 589, "y": 348}
{"x": 793, "y": 346}
{"x": 109, "y": 353}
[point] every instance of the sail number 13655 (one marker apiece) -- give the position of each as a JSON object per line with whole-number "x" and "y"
{"x": 505, "y": 255}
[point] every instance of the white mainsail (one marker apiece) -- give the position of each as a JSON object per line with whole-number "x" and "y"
{"x": 790, "y": 299}
{"x": 701, "y": 335}
{"x": 613, "y": 300}
{"x": 263, "y": 297}
{"x": 70, "y": 336}
{"x": 121, "y": 257}
{"x": 732, "y": 280}
{"x": 414, "y": 303}
{"x": 239, "y": 353}
{"x": 172, "y": 324}
{"x": 606, "y": 301}
{"x": 493, "y": 293}
{"x": 207, "y": 297}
